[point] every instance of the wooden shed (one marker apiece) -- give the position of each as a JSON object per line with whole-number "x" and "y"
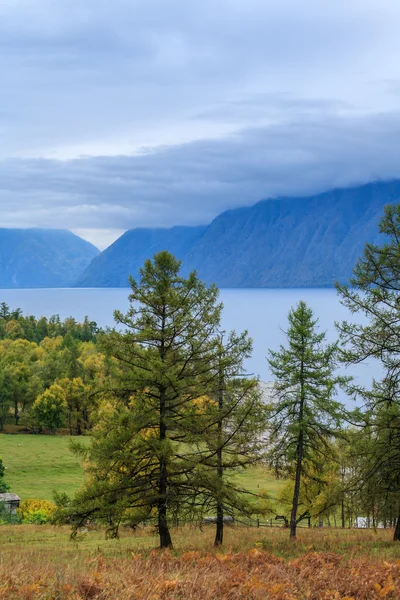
{"x": 11, "y": 501}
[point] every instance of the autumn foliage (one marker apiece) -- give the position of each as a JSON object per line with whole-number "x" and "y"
{"x": 36, "y": 511}
{"x": 252, "y": 575}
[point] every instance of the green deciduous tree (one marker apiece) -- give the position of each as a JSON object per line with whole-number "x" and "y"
{"x": 321, "y": 489}
{"x": 6, "y": 394}
{"x": 50, "y": 408}
{"x": 3, "y": 486}
{"x": 76, "y": 396}
{"x": 18, "y": 360}
{"x": 305, "y": 414}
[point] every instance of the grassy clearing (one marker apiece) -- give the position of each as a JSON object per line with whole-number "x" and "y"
{"x": 56, "y": 541}
{"x": 259, "y": 478}
{"x": 39, "y": 464}
{"x": 36, "y": 465}
{"x": 41, "y": 563}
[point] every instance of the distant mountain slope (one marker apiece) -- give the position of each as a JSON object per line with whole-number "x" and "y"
{"x": 292, "y": 242}
{"x": 125, "y": 256}
{"x": 288, "y": 242}
{"x": 42, "y": 257}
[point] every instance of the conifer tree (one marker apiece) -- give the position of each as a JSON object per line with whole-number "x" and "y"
{"x": 148, "y": 447}
{"x": 305, "y": 414}
{"x": 374, "y": 293}
{"x": 234, "y": 425}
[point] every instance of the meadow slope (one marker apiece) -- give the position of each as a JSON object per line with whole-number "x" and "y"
{"x": 37, "y": 465}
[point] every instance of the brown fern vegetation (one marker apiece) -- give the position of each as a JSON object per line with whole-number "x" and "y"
{"x": 253, "y": 565}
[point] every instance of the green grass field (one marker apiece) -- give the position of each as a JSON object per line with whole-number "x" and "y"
{"x": 37, "y": 465}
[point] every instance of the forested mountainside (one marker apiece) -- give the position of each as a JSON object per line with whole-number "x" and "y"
{"x": 32, "y": 258}
{"x": 287, "y": 242}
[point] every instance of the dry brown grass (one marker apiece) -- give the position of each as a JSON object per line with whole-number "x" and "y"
{"x": 39, "y": 563}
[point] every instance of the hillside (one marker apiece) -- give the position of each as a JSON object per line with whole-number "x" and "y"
{"x": 292, "y": 242}
{"x": 39, "y": 464}
{"x": 286, "y": 242}
{"x": 125, "y": 256}
{"x": 32, "y": 258}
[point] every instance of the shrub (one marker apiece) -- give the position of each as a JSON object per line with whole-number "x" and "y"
{"x": 37, "y": 517}
{"x": 38, "y": 512}
{"x": 3, "y": 486}
{"x": 7, "y": 517}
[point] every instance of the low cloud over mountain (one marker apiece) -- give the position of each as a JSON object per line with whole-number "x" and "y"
{"x": 131, "y": 113}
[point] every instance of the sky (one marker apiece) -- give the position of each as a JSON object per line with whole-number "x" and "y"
{"x": 153, "y": 113}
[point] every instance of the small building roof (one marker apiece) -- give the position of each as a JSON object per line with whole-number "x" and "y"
{"x": 9, "y": 497}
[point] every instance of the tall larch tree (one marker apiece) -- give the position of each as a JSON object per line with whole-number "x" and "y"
{"x": 374, "y": 293}
{"x": 305, "y": 414}
{"x": 234, "y": 426}
{"x": 145, "y": 447}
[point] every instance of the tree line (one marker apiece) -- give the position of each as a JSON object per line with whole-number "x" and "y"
{"x": 14, "y": 325}
{"x": 49, "y": 371}
{"x": 174, "y": 417}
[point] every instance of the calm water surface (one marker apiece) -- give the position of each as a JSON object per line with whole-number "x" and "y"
{"x": 263, "y": 312}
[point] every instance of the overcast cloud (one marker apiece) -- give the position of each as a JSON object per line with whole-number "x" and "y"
{"x": 125, "y": 113}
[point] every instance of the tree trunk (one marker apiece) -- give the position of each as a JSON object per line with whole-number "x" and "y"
{"x": 300, "y": 448}
{"x": 296, "y": 493}
{"x": 163, "y": 529}
{"x": 343, "y": 519}
{"x": 219, "y": 534}
{"x": 85, "y": 418}
{"x": 16, "y": 413}
{"x": 396, "y": 537}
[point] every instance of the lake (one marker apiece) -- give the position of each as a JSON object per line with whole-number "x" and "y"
{"x": 263, "y": 312}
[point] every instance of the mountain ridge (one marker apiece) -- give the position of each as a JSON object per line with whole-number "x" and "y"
{"x": 305, "y": 241}
{"x": 132, "y": 252}
{"x": 40, "y": 258}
